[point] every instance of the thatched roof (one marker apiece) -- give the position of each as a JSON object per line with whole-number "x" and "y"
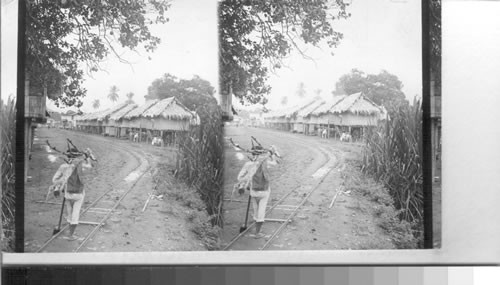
{"x": 298, "y": 110}
{"x": 70, "y": 113}
{"x": 121, "y": 113}
{"x": 295, "y": 111}
{"x": 309, "y": 109}
{"x": 169, "y": 108}
{"x": 92, "y": 116}
{"x": 281, "y": 112}
{"x": 137, "y": 112}
{"x": 324, "y": 108}
{"x": 356, "y": 104}
{"x": 106, "y": 113}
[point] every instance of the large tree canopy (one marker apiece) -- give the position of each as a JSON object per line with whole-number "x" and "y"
{"x": 255, "y": 37}
{"x": 65, "y": 39}
{"x": 383, "y": 89}
{"x": 192, "y": 93}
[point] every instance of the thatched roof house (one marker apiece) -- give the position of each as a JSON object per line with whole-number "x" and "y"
{"x": 166, "y": 114}
{"x": 306, "y": 111}
{"x": 104, "y": 116}
{"x": 117, "y": 116}
{"x": 352, "y": 110}
{"x": 324, "y": 108}
{"x": 87, "y": 119}
{"x": 140, "y": 109}
{"x": 169, "y": 114}
{"x": 169, "y": 108}
{"x": 133, "y": 118}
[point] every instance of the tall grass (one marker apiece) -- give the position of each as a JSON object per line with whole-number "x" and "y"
{"x": 200, "y": 160}
{"x": 393, "y": 155}
{"x": 7, "y": 168}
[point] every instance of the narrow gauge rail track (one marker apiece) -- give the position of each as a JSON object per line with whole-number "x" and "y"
{"x": 106, "y": 211}
{"x": 321, "y": 172}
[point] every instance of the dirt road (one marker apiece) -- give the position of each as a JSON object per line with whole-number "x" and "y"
{"x": 314, "y": 168}
{"x": 123, "y": 173}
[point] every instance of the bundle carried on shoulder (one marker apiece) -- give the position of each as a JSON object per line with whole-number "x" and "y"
{"x": 247, "y": 173}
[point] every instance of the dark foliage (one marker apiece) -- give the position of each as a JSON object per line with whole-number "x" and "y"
{"x": 255, "y": 37}
{"x": 65, "y": 39}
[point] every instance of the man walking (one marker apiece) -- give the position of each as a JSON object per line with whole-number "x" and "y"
{"x": 256, "y": 173}
{"x": 68, "y": 177}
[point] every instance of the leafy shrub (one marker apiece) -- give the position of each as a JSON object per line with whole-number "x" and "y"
{"x": 200, "y": 160}
{"x": 7, "y": 167}
{"x": 393, "y": 155}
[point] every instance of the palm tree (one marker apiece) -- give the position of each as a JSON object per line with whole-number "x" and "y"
{"x": 318, "y": 93}
{"x": 301, "y": 91}
{"x": 113, "y": 93}
{"x": 96, "y": 104}
{"x": 284, "y": 100}
{"x": 129, "y": 98}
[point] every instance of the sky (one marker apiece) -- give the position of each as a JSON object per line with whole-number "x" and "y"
{"x": 188, "y": 47}
{"x": 8, "y": 41}
{"x": 381, "y": 34}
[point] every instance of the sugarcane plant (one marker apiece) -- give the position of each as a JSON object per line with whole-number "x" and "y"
{"x": 393, "y": 155}
{"x": 200, "y": 161}
{"x": 7, "y": 168}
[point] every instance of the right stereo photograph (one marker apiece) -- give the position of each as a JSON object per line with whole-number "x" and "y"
{"x": 325, "y": 144}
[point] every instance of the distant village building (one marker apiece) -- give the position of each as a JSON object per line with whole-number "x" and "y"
{"x": 54, "y": 119}
{"x": 68, "y": 119}
{"x": 349, "y": 113}
{"x": 163, "y": 118}
{"x": 116, "y": 126}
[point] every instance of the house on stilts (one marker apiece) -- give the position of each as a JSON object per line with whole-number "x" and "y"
{"x": 115, "y": 121}
{"x": 350, "y": 114}
{"x": 168, "y": 118}
{"x": 162, "y": 118}
{"x": 156, "y": 118}
{"x": 341, "y": 114}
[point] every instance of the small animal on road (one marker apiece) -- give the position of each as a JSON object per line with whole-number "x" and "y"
{"x": 345, "y": 137}
{"x": 324, "y": 134}
{"x": 157, "y": 141}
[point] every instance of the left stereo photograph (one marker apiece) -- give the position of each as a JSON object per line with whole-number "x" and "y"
{"x": 113, "y": 161}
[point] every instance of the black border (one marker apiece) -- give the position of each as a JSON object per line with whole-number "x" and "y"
{"x": 20, "y": 151}
{"x": 426, "y": 126}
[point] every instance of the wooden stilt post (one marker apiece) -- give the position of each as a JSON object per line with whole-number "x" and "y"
{"x": 328, "y": 129}
{"x": 27, "y": 136}
{"x": 140, "y": 133}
